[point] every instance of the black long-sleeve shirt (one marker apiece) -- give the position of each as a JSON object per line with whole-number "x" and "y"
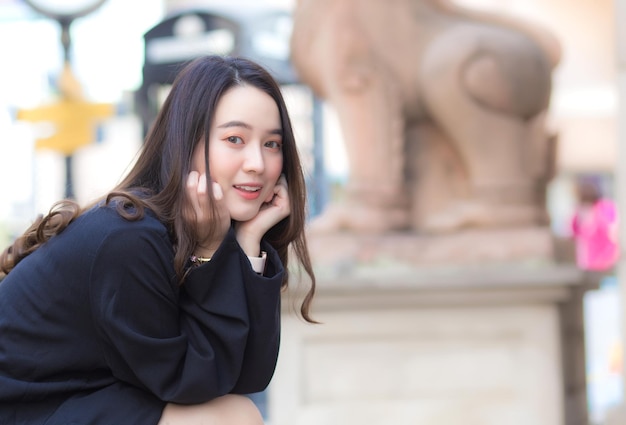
{"x": 94, "y": 328}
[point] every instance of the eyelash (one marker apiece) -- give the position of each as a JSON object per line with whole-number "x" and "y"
{"x": 233, "y": 139}
{"x": 278, "y": 145}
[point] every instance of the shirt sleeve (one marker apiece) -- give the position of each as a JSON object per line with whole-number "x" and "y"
{"x": 264, "y": 336}
{"x": 188, "y": 344}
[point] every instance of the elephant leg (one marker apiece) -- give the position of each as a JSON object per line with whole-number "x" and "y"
{"x": 437, "y": 178}
{"x": 373, "y": 128}
{"x": 493, "y": 141}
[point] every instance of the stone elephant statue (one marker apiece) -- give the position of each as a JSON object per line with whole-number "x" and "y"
{"x": 443, "y": 112}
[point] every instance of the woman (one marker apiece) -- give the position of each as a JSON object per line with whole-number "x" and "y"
{"x": 162, "y": 301}
{"x": 594, "y": 228}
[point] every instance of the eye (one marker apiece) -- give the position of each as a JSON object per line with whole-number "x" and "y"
{"x": 274, "y": 144}
{"x": 235, "y": 140}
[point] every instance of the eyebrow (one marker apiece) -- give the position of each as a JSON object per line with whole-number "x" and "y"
{"x": 230, "y": 124}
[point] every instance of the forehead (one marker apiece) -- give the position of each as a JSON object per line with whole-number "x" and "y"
{"x": 250, "y": 105}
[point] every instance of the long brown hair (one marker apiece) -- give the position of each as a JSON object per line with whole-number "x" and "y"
{"x": 157, "y": 179}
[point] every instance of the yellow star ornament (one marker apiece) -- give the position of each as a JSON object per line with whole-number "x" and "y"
{"x": 74, "y": 119}
{"x": 74, "y": 122}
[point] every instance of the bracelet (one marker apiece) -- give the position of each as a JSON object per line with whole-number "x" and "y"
{"x": 258, "y": 263}
{"x": 198, "y": 261}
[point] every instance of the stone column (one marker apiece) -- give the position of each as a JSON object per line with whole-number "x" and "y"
{"x": 618, "y": 415}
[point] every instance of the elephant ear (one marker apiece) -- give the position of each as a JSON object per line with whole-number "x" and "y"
{"x": 498, "y": 80}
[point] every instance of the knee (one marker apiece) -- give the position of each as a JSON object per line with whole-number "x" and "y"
{"x": 238, "y": 409}
{"x": 230, "y": 409}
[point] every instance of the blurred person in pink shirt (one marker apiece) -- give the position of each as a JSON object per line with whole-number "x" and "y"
{"x": 594, "y": 227}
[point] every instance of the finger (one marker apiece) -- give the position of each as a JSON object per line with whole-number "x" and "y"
{"x": 202, "y": 198}
{"x": 201, "y": 184}
{"x": 192, "y": 188}
{"x": 281, "y": 188}
{"x": 281, "y": 183}
{"x": 192, "y": 192}
{"x": 270, "y": 196}
{"x": 282, "y": 180}
{"x": 281, "y": 198}
{"x": 192, "y": 178}
{"x": 218, "y": 194}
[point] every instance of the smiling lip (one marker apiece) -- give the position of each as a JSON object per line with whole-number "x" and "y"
{"x": 249, "y": 192}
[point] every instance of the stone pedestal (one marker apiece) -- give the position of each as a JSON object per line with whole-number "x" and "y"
{"x": 474, "y": 328}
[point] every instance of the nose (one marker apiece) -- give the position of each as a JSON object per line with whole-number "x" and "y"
{"x": 253, "y": 161}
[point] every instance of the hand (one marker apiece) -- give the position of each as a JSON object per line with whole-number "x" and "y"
{"x": 199, "y": 214}
{"x": 275, "y": 208}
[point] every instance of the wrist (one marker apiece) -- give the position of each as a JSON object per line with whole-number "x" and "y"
{"x": 250, "y": 245}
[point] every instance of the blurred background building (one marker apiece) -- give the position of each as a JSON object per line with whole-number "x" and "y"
{"x": 108, "y": 54}
{"x": 108, "y": 58}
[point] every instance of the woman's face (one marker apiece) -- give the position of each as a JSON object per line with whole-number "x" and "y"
{"x": 245, "y": 150}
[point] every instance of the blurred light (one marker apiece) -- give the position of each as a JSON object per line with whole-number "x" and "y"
{"x": 589, "y": 101}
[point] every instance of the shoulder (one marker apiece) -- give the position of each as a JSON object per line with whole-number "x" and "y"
{"x": 124, "y": 249}
{"x": 106, "y": 227}
{"x": 108, "y": 217}
{"x": 606, "y": 207}
{"x": 606, "y": 203}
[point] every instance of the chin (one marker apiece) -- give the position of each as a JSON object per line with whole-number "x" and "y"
{"x": 243, "y": 215}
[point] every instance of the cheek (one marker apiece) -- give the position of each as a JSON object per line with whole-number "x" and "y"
{"x": 212, "y": 170}
{"x": 218, "y": 164}
{"x": 223, "y": 170}
{"x": 197, "y": 161}
{"x": 275, "y": 167}
{"x": 216, "y": 173}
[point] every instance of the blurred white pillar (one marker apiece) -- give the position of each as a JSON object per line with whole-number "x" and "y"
{"x": 174, "y": 5}
{"x": 620, "y": 171}
{"x": 618, "y": 416}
